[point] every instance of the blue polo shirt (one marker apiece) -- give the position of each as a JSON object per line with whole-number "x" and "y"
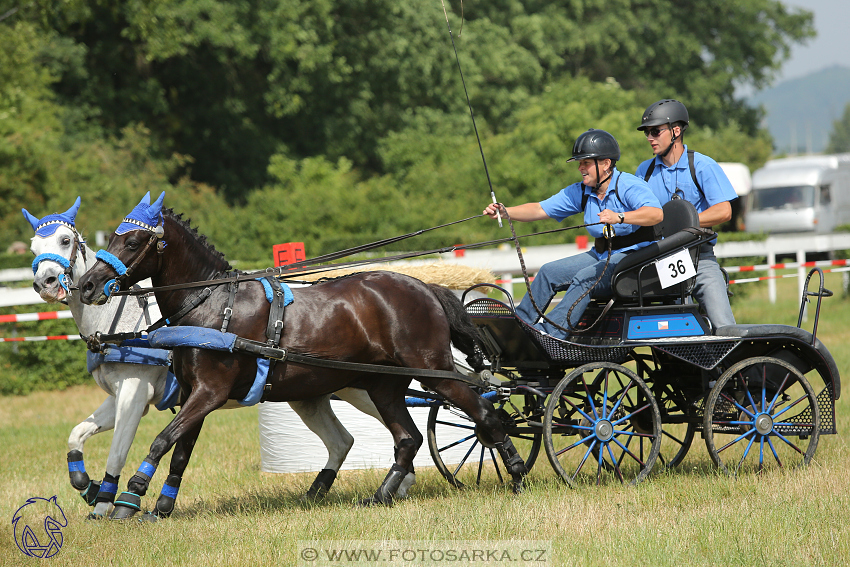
{"x": 626, "y": 192}
{"x": 664, "y": 181}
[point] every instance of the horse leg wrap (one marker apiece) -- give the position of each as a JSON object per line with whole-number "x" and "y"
{"x": 167, "y": 496}
{"x": 108, "y": 489}
{"x": 91, "y": 493}
{"x": 141, "y": 480}
{"x": 126, "y": 505}
{"x": 386, "y": 492}
{"x": 513, "y": 462}
{"x": 324, "y": 481}
{"x": 77, "y": 471}
{"x": 129, "y": 502}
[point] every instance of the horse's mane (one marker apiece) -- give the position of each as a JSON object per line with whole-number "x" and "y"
{"x": 202, "y": 239}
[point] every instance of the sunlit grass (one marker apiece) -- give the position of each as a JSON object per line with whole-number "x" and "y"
{"x": 229, "y": 513}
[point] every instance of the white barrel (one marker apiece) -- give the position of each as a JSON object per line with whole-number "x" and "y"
{"x": 288, "y": 446}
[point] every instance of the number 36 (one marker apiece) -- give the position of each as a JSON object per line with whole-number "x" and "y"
{"x": 676, "y": 269}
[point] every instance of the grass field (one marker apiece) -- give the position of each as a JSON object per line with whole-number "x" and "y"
{"x": 229, "y": 513}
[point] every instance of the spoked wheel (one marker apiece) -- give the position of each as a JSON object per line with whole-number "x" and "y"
{"x": 762, "y": 413}
{"x": 679, "y": 416}
{"x": 594, "y": 425}
{"x": 462, "y": 459}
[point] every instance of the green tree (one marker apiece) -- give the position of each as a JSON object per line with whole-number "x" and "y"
{"x": 839, "y": 138}
{"x": 233, "y": 83}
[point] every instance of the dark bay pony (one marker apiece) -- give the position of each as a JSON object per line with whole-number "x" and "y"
{"x": 378, "y": 318}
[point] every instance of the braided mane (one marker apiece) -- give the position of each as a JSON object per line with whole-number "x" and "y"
{"x": 202, "y": 239}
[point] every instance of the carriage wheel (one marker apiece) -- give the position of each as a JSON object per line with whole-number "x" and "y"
{"x": 679, "y": 416}
{"x": 459, "y": 455}
{"x": 590, "y": 431}
{"x": 677, "y": 429}
{"x": 762, "y": 413}
{"x": 678, "y": 425}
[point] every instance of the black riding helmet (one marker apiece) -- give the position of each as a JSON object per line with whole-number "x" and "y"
{"x": 667, "y": 111}
{"x": 595, "y": 144}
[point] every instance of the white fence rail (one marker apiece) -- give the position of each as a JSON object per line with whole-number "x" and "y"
{"x": 503, "y": 261}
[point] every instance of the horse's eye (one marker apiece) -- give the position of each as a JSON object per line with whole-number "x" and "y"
{"x": 66, "y": 241}
{"x": 131, "y": 244}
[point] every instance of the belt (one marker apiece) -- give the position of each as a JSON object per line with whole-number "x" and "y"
{"x": 643, "y": 234}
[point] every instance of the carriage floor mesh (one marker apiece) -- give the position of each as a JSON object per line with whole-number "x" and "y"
{"x": 706, "y": 355}
{"x": 567, "y": 352}
{"x": 578, "y": 354}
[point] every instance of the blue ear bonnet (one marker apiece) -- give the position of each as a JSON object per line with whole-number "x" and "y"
{"x": 144, "y": 217}
{"x": 47, "y": 226}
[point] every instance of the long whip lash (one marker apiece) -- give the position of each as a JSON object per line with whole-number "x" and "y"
{"x": 474, "y": 127}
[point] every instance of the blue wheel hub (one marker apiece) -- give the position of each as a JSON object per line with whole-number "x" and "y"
{"x": 604, "y": 430}
{"x": 763, "y": 423}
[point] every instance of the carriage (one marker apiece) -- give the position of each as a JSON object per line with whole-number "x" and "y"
{"x": 647, "y": 378}
{"x": 644, "y": 375}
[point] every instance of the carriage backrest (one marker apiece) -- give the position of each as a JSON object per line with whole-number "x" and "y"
{"x": 680, "y": 218}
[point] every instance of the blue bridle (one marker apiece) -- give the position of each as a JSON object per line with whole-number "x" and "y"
{"x": 51, "y": 257}
{"x": 116, "y": 264}
{"x": 68, "y": 265}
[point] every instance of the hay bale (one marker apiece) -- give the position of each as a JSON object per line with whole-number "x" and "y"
{"x": 452, "y": 276}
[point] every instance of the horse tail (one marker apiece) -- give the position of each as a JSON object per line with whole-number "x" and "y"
{"x": 464, "y": 334}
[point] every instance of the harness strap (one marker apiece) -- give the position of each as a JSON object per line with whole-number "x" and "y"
{"x": 276, "y": 310}
{"x": 691, "y": 166}
{"x": 188, "y": 305}
{"x": 143, "y": 304}
{"x": 232, "y": 288}
{"x": 117, "y": 317}
{"x": 274, "y": 329}
{"x": 260, "y": 349}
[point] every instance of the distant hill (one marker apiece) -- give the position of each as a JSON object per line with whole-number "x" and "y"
{"x": 800, "y": 112}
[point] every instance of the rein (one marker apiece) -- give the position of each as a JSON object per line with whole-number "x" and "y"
{"x": 309, "y": 267}
{"x": 608, "y": 230}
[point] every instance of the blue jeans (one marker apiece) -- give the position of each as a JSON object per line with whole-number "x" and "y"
{"x": 576, "y": 274}
{"x": 710, "y": 289}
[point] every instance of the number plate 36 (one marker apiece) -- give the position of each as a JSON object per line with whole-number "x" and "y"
{"x": 675, "y": 268}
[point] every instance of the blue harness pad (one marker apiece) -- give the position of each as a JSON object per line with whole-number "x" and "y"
{"x": 130, "y": 355}
{"x": 193, "y": 337}
{"x": 287, "y": 292}
{"x": 171, "y": 395}
{"x": 212, "y": 339}
{"x": 140, "y": 353}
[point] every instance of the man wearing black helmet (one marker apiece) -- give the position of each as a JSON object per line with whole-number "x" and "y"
{"x": 604, "y": 195}
{"x": 677, "y": 172}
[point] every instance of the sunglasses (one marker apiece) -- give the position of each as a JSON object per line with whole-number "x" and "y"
{"x": 654, "y": 132}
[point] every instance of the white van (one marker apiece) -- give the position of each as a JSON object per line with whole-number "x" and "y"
{"x": 800, "y": 194}
{"x": 741, "y": 180}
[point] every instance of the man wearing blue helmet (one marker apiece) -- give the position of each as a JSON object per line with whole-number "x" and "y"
{"x": 677, "y": 172}
{"x": 605, "y": 195}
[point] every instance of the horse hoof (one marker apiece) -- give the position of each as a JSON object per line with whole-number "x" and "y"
{"x": 517, "y": 487}
{"x": 373, "y": 501}
{"x": 122, "y": 513}
{"x": 93, "y": 516}
{"x": 312, "y": 498}
{"x": 149, "y": 518}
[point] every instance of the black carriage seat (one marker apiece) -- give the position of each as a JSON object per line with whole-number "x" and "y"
{"x": 680, "y": 229}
